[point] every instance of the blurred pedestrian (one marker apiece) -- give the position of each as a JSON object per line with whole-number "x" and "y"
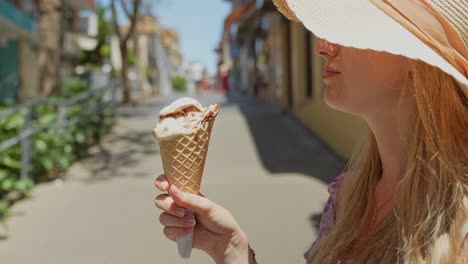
{"x": 223, "y": 81}
{"x": 205, "y": 83}
{"x": 401, "y": 66}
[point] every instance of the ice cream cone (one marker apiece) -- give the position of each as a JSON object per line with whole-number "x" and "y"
{"x": 183, "y": 158}
{"x": 183, "y": 133}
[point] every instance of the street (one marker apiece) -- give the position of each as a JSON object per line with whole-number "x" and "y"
{"x": 265, "y": 167}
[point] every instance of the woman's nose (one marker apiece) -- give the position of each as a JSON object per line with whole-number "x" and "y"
{"x": 326, "y": 49}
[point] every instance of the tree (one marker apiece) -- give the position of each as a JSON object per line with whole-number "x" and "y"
{"x": 49, "y": 48}
{"x": 123, "y": 38}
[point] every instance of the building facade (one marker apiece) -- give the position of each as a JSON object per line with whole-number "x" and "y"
{"x": 171, "y": 41}
{"x": 33, "y": 37}
{"x": 273, "y": 58}
{"x": 157, "y": 54}
{"x": 18, "y": 45}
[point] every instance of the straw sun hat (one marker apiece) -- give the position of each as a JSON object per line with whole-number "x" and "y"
{"x": 434, "y": 31}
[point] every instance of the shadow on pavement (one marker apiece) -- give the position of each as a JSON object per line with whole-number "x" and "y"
{"x": 284, "y": 144}
{"x": 120, "y": 155}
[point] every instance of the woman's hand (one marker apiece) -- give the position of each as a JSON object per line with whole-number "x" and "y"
{"x": 215, "y": 230}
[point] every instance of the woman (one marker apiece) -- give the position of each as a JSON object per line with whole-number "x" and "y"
{"x": 404, "y": 196}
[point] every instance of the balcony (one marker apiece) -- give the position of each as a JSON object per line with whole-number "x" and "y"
{"x": 16, "y": 21}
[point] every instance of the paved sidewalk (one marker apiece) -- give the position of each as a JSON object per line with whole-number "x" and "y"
{"x": 262, "y": 165}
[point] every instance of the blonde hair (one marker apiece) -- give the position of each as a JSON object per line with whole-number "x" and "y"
{"x": 426, "y": 223}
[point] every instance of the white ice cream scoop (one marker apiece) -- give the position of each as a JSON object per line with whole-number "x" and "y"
{"x": 184, "y": 116}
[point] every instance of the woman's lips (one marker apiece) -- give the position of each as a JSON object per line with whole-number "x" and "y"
{"x": 328, "y": 74}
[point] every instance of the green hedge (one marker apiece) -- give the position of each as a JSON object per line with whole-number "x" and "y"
{"x": 179, "y": 83}
{"x": 53, "y": 152}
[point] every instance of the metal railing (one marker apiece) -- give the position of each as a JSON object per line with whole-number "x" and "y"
{"x": 105, "y": 97}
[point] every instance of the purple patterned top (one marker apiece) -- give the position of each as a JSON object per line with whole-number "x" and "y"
{"x": 328, "y": 216}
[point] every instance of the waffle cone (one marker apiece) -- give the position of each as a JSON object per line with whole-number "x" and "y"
{"x": 184, "y": 156}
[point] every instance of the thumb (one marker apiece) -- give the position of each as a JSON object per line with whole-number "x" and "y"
{"x": 198, "y": 204}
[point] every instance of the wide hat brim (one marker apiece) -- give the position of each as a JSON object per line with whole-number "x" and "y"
{"x": 362, "y": 25}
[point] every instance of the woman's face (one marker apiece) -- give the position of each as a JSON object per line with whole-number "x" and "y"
{"x": 362, "y": 82}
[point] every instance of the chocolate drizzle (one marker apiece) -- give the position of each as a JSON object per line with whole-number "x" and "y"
{"x": 209, "y": 113}
{"x": 181, "y": 111}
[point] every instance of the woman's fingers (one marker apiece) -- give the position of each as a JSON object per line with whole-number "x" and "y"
{"x": 167, "y": 204}
{"x": 174, "y": 232}
{"x": 161, "y": 183}
{"x": 195, "y": 203}
{"x": 174, "y": 221}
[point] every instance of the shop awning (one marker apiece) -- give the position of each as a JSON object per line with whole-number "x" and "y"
{"x": 239, "y": 13}
{"x": 15, "y": 21}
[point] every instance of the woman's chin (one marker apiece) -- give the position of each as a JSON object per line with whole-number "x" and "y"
{"x": 333, "y": 106}
{"x": 331, "y": 98}
{"x": 334, "y": 101}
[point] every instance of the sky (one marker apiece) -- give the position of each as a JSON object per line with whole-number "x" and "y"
{"x": 199, "y": 23}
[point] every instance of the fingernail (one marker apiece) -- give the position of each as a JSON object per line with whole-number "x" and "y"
{"x": 190, "y": 222}
{"x": 163, "y": 185}
{"x": 180, "y": 211}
